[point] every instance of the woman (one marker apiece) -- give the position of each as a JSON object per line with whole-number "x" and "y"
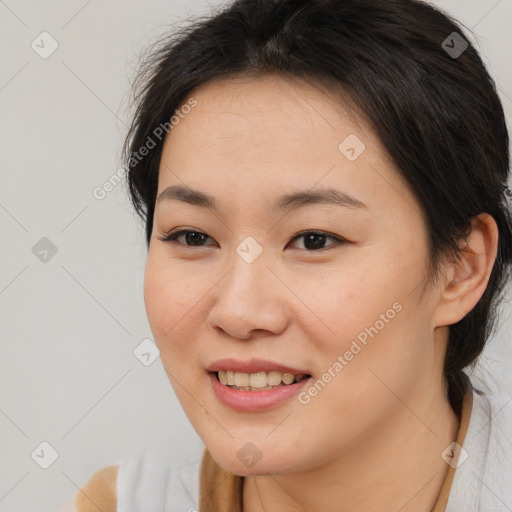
{"x": 323, "y": 185}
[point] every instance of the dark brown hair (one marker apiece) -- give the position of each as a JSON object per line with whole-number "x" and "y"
{"x": 436, "y": 112}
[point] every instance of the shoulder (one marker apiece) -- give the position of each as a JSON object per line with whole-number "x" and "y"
{"x": 99, "y": 492}
{"x": 484, "y": 472}
{"x": 160, "y": 476}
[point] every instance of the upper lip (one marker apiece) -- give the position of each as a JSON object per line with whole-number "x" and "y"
{"x": 253, "y": 366}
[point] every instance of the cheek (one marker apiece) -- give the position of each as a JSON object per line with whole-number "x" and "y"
{"x": 170, "y": 300}
{"x": 379, "y": 350}
{"x": 374, "y": 318}
{"x": 350, "y": 301}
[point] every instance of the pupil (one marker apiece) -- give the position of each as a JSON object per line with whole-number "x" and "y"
{"x": 320, "y": 240}
{"x": 193, "y": 237}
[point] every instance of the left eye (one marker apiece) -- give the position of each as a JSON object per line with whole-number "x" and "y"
{"x": 313, "y": 240}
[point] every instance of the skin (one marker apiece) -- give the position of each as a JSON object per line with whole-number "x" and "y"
{"x": 372, "y": 438}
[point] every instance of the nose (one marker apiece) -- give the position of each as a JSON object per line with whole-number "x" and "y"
{"x": 250, "y": 300}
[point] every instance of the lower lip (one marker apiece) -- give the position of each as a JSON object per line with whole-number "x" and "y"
{"x": 255, "y": 400}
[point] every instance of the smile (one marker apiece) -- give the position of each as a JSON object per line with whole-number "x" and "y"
{"x": 260, "y": 381}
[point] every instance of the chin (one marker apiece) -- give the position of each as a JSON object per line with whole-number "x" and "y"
{"x": 260, "y": 468}
{"x": 247, "y": 460}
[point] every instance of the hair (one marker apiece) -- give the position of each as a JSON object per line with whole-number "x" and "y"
{"x": 438, "y": 116}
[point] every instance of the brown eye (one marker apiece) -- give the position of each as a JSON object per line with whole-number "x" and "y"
{"x": 315, "y": 240}
{"x": 190, "y": 237}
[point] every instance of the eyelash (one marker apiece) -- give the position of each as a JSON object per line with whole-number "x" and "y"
{"x": 172, "y": 238}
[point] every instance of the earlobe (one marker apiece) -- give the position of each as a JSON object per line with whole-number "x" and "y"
{"x": 467, "y": 278}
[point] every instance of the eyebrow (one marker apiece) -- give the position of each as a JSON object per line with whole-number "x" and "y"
{"x": 290, "y": 201}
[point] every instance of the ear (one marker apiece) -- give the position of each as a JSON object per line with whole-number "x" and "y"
{"x": 465, "y": 281}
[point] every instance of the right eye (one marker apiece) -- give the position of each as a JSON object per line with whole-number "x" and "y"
{"x": 192, "y": 238}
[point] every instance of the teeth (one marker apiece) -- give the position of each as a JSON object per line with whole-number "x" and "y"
{"x": 258, "y": 380}
{"x": 241, "y": 379}
{"x": 287, "y": 378}
{"x": 274, "y": 378}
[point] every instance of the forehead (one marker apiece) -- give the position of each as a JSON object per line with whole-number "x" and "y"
{"x": 272, "y": 132}
{"x": 269, "y": 106}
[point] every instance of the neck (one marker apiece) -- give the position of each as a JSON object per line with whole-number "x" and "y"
{"x": 398, "y": 468}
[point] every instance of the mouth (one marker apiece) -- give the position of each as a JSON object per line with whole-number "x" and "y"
{"x": 259, "y": 381}
{"x": 255, "y": 385}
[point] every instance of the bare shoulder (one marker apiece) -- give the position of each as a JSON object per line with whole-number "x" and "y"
{"x": 99, "y": 492}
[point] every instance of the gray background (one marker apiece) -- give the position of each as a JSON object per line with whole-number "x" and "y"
{"x": 69, "y": 325}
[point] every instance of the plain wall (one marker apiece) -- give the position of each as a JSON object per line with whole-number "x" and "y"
{"x": 69, "y": 325}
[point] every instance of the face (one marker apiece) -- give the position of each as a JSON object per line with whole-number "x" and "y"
{"x": 265, "y": 281}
